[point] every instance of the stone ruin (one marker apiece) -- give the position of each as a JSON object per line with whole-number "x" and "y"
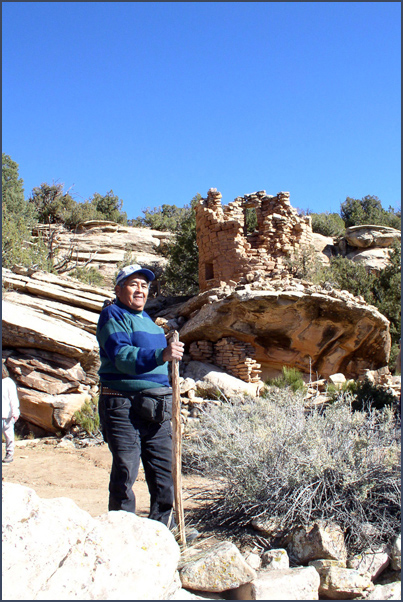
{"x": 227, "y": 252}
{"x": 232, "y": 355}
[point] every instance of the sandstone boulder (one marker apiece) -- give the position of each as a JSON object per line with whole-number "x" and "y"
{"x": 367, "y": 236}
{"x": 300, "y": 583}
{"x": 374, "y": 260}
{"x": 106, "y": 244}
{"x": 220, "y": 568}
{"x": 212, "y": 380}
{"x": 318, "y": 540}
{"x": 311, "y": 329}
{"x": 275, "y": 559}
{"x": 30, "y": 329}
{"x": 389, "y": 591}
{"x": 338, "y": 583}
{"x": 52, "y": 550}
{"x": 373, "y": 562}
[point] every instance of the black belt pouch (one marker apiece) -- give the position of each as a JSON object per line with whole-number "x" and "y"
{"x": 154, "y": 405}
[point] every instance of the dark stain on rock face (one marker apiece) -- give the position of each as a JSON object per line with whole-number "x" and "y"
{"x": 274, "y": 339}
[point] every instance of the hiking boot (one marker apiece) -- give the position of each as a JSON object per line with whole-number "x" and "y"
{"x": 7, "y": 459}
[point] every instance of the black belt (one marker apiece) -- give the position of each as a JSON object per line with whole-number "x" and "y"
{"x": 111, "y": 392}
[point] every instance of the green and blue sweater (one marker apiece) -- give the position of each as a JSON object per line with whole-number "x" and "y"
{"x": 131, "y": 348}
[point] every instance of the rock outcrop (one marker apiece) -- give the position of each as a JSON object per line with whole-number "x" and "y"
{"x": 292, "y": 323}
{"x": 368, "y": 245}
{"x": 53, "y": 550}
{"x": 49, "y": 344}
{"x": 105, "y": 243}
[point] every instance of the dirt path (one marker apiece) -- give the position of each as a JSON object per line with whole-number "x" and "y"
{"x": 54, "y": 470}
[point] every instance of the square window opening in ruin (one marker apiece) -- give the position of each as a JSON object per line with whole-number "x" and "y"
{"x": 209, "y": 271}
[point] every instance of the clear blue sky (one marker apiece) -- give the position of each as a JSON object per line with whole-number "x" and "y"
{"x": 161, "y": 100}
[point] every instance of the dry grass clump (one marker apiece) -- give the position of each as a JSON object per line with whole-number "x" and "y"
{"x": 277, "y": 460}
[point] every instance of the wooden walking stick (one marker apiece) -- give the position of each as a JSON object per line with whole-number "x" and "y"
{"x": 177, "y": 447}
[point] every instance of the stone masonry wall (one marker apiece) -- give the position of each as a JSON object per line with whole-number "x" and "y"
{"x": 228, "y": 253}
{"x": 236, "y": 357}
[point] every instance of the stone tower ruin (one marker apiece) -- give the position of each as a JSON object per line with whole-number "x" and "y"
{"x": 227, "y": 252}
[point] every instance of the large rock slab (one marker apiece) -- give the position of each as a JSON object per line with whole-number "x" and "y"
{"x": 53, "y": 550}
{"x": 301, "y": 583}
{"x": 220, "y": 568}
{"x": 374, "y": 260}
{"x": 370, "y": 561}
{"x": 389, "y": 591}
{"x": 211, "y": 380}
{"x": 338, "y": 583}
{"x": 366, "y": 236}
{"x": 319, "y": 540}
{"x": 54, "y": 364}
{"x": 30, "y": 328}
{"x": 106, "y": 244}
{"x": 311, "y": 329}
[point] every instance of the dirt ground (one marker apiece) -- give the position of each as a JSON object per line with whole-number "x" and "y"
{"x": 82, "y": 474}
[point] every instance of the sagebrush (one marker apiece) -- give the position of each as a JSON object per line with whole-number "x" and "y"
{"x": 88, "y": 418}
{"x": 274, "y": 458}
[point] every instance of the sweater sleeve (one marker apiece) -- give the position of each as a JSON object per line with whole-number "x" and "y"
{"x": 132, "y": 352}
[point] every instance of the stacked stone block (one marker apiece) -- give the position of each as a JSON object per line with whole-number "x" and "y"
{"x": 235, "y": 357}
{"x": 202, "y": 351}
{"x": 228, "y": 253}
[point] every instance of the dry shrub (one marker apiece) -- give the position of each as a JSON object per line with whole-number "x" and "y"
{"x": 276, "y": 459}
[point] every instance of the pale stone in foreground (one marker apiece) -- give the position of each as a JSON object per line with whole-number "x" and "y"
{"x": 338, "y": 583}
{"x": 370, "y": 562}
{"x": 275, "y": 559}
{"x": 210, "y": 379}
{"x": 220, "y": 568}
{"x": 53, "y": 550}
{"x": 390, "y": 591}
{"x": 337, "y": 379}
{"x": 396, "y": 554}
{"x": 254, "y": 560}
{"x": 318, "y": 540}
{"x": 301, "y": 583}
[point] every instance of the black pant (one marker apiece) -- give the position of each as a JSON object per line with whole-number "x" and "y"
{"x": 130, "y": 438}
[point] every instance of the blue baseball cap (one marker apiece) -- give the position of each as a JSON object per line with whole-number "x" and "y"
{"x": 129, "y": 270}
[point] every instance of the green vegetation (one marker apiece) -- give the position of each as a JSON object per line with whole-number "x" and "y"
{"x": 382, "y": 290}
{"x": 348, "y": 389}
{"x": 88, "y": 418}
{"x": 88, "y": 275}
{"x": 48, "y": 204}
{"x": 181, "y": 275}
{"x": 290, "y": 377}
{"x": 369, "y": 396}
{"x": 328, "y": 224}
{"x": 369, "y": 210}
{"x": 54, "y": 206}
{"x": 274, "y": 459}
{"x": 165, "y": 218}
{"x": 18, "y": 218}
{"x": 306, "y": 265}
